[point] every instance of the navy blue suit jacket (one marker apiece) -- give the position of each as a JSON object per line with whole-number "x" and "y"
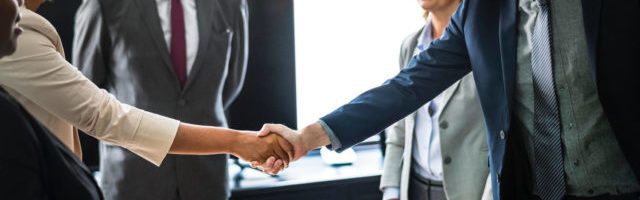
{"x": 482, "y": 37}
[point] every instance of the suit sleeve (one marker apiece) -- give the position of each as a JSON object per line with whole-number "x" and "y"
{"x": 240, "y": 52}
{"x": 91, "y": 43}
{"x": 427, "y": 75}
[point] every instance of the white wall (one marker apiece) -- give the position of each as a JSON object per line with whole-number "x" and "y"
{"x": 345, "y": 47}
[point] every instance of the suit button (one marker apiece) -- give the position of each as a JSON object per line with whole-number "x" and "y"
{"x": 182, "y": 102}
{"x": 444, "y": 125}
{"x": 502, "y": 135}
{"x": 447, "y": 160}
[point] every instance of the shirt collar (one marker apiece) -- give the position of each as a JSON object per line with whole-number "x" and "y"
{"x": 425, "y": 37}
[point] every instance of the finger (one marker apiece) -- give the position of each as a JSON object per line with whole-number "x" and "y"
{"x": 255, "y": 164}
{"x": 283, "y": 168}
{"x": 287, "y": 147}
{"x": 269, "y": 163}
{"x": 277, "y": 167}
{"x": 282, "y": 155}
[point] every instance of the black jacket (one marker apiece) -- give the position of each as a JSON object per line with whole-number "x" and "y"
{"x": 34, "y": 164}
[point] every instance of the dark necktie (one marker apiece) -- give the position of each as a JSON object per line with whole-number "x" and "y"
{"x": 549, "y": 161}
{"x": 178, "y": 42}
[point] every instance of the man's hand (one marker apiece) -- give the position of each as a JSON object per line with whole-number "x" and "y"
{"x": 272, "y": 149}
{"x": 290, "y": 135}
{"x": 311, "y": 137}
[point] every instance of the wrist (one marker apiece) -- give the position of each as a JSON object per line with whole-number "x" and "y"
{"x": 313, "y": 137}
{"x": 238, "y": 141}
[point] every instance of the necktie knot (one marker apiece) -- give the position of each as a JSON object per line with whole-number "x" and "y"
{"x": 543, "y": 3}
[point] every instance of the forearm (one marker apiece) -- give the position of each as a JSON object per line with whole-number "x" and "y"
{"x": 203, "y": 140}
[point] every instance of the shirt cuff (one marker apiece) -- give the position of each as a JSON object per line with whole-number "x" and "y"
{"x": 390, "y": 193}
{"x": 153, "y": 137}
{"x": 335, "y": 142}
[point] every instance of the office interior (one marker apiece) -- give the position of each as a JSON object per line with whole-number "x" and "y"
{"x": 296, "y": 47}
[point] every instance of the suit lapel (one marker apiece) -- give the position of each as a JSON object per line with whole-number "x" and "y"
{"x": 149, "y": 11}
{"x": 205, "y": 10}
{"x": 591, "y": 13}
{"x": 413, "y": 45}
{"x": 408, "y": 48}
{"x": 410, "y": 126}
{"x": 447, "y": 94}
{"x": 508, "y": 47}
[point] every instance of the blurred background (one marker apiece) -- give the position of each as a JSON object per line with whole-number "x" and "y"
{"x": 306, "y": 58}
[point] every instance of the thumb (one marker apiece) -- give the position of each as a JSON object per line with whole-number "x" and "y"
{"x": 271, "y": 128}
{"x": 265, "y": 130}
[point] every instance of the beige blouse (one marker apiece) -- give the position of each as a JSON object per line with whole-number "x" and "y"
{"x": 61, "y": 98}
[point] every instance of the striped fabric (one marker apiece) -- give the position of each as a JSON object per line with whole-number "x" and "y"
{"x": 549, "y": 167}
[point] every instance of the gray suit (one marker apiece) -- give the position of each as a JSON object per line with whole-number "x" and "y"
{"x": 119, "y": 45}
{"x": 462, "y": 138}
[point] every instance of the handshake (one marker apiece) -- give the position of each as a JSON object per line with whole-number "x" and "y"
{"x": 276, "y": 145}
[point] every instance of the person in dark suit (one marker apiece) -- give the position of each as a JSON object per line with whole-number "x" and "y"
{"x": 556, "y": 82}
{"x": 185, "y": 59}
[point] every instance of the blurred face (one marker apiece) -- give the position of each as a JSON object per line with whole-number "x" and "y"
{"x": 434, "y": 5}
{"x": 9, "y": 29}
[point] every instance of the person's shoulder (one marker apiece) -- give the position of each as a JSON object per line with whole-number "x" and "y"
{"x": 411, "y": 39}
{"x": 32, "y": 21}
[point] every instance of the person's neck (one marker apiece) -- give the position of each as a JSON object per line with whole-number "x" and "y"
{"x": 440, "y": 20}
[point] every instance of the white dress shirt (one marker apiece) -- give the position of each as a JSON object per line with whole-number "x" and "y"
{"x": 61, "y": 98}
{"x": 426, "y": 144}
{"x": 190, "y": 27}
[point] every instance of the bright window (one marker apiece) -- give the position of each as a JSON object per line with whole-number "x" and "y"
{"x": 345, "y": 47}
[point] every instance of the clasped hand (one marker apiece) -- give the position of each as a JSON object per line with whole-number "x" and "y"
{"x": 268, "y": 150}
{"x": 277, "y": 145}
{"x": 272, "y": 149}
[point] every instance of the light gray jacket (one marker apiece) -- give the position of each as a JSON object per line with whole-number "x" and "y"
{"x": 462, "y": 138}
{"x": 119, "y": 45}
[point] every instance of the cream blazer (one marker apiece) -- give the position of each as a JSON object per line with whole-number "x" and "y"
{"x": 61, "y": 98}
